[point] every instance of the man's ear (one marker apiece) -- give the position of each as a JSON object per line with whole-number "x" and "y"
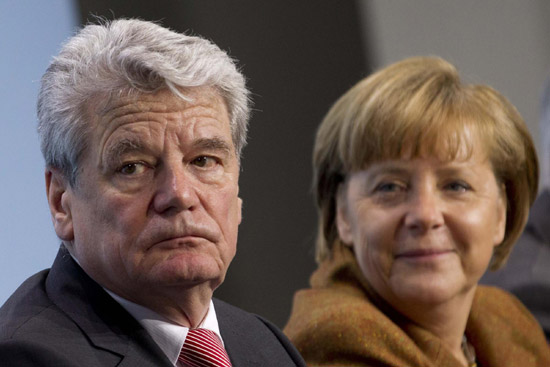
{"x": 342, "y": 218}
{"x": 59, "y": 201}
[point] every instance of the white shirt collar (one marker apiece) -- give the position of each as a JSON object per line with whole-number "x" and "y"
{"x": 169, "y": 336}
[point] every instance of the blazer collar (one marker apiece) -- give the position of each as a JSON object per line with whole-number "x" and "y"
{"x": 102, "y": 319}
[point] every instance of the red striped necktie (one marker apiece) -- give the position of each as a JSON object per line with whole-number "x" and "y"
{"x": 203, "y": 348}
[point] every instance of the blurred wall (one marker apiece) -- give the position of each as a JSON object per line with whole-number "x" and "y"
{"x": 503, "y": 43}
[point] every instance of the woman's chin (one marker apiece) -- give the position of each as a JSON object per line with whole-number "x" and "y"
{"x": 427, "y": 291}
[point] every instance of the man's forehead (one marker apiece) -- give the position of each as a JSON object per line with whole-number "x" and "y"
{"x": 129, "y": 122}
{"x": 160, "y": 101}
{"x": 162, "y": 107}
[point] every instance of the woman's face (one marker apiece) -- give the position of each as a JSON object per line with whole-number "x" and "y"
{"x": 423, "y": 230}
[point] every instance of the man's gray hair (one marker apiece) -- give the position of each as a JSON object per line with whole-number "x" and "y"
{"x": 127, "y": 56}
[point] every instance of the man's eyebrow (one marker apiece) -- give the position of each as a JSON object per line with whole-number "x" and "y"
{"x": 121, "y": 147}
{"x": 215, "y": 144}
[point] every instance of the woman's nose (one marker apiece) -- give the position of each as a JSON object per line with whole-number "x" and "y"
{"x": 176, "y": 189}
{"x": 424, "y": 210}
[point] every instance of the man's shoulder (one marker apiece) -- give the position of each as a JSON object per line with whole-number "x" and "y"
{"x": 32, "y": 328}
{"x": 253, "y": 338}
{"x": 228, "y": 311}
{"x": 51, "y": 321}
{"x": 27, "y": 308}
{"x": 29, "y": 316}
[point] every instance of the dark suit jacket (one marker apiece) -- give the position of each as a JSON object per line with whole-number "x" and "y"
{"x": 61, "y": 317}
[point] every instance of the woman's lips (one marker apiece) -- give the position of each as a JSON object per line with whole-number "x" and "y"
{"x": 420, "y": 254}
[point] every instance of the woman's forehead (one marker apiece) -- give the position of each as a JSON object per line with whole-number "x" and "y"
{"x": 446, "y": 143}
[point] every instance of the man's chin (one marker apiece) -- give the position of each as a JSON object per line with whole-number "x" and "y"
{"x": 188, "y": 271}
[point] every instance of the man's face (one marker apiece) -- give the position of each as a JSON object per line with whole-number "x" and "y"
{"x": 156, "y": 207}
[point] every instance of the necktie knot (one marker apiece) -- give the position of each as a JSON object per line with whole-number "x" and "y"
{"x": 203, "y": 348}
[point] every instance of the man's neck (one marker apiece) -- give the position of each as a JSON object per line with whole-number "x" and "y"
{"x": 185, "y": 306}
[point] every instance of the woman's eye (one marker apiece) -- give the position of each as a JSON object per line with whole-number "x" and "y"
{"x": 389, "y": 187}
{"x": 458, "y": 186}
{"x": 132, "y": 168}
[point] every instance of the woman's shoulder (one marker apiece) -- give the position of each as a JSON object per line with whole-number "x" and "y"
{"x": 499, "y": 304}
{"x": 339, "y": 325}
{"x": 341, "y": 303}
{"x": 336, "y": 300}
{"x": 496, "y": 310}
{"x": 503, "y": 331}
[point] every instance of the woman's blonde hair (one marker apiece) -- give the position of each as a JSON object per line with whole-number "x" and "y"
{"x": 419, "y": 105}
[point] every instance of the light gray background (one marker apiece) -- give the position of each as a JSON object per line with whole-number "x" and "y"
{"x": 501, "y": 43}
{"x": 31, "y": 31}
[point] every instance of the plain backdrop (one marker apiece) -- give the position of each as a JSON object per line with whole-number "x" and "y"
{"x": 31, "y": 31}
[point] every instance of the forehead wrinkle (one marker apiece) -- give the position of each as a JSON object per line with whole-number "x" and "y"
{"x": 125, "y": 111}
{"x": 125, "y": 134}
{"x": 200, "y": 115}
{"x": 197, "y": 117}
{"x": 126, "y": 106}
{"x": 208, "y": 109}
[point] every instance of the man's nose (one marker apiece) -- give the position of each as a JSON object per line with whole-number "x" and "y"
{"x": 176, "y": 189}
{"x": 424, "y": 210}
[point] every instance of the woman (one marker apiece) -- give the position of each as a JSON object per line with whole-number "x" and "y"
{"x": 422, "y": 183}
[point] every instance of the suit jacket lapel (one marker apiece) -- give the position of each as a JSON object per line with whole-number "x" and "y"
{"x": 238, "y": 343}
{"x": 251, "y": 341}
{"x": 102, "y": 319}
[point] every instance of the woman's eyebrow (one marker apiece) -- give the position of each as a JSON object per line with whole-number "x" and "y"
{"x": 456, "y": 168}
{"x": 388, "y": 168}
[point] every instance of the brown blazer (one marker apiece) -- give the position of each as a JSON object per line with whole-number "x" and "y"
{"x": 340, "y": 322}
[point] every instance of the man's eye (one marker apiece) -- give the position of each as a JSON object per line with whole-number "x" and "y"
{"x": 204, "y": 161}
{"x": 132, "y": 168}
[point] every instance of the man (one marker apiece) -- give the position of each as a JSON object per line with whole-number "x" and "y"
{"x": 141, "y": 129}
{"x": 527, "y": 273}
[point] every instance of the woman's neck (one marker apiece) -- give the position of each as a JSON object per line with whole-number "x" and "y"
{"x": 446, "y": 320}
